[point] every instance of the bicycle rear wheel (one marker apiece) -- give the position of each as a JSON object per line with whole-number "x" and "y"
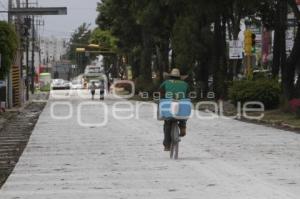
{"x": 174, "y": 151}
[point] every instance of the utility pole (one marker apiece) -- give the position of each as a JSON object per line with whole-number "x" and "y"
{"x": 21, "y": 54}
{"x": 27, "y": 21}
{"x": 9, "y": 8}
{"x": 26, "y": 13}
{"x": 8, "y": 78}
{"x": 27, "y": 67}
{"x": 32, "y": 56}
{"x": 18, "y": 3}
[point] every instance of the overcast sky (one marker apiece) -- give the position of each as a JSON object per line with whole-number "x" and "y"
{"x": 79, "y": 11}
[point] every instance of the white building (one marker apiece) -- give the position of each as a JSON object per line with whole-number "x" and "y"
{"x": 52, "y": 49}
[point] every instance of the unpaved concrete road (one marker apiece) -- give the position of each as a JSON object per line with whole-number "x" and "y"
{"x": 219, "y": 159}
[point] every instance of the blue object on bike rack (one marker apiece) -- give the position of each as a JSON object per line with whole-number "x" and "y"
{"x": 165, "y": 112}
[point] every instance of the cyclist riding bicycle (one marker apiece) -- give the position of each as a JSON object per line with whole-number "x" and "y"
{"x": 177, "y": 89}
{"x": 93, "y": 89}
{"x": 102, "y": 90}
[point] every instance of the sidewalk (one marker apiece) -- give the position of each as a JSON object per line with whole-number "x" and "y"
{"x": 16, "y": 126}
{"x": 219, "y": 159}
{"x": 10, "y": 113}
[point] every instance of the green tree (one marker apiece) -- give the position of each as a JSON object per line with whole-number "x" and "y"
{"x": 117, "y": 17}
{"x": 79, "y": 39}
{"x": 107, "y": 42}
{"x": 274, "y": 16}
{"x": 104, "y": 38}
{"x": 192, "y": 42}
{"x": 197, "y": 33}
{"x": 8, "y": 47}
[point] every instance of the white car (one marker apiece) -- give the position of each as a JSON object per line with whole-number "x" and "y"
{"x": 60, "y": 84}
{"x": 76, "y": 84}
{"x": 68, "y": 84}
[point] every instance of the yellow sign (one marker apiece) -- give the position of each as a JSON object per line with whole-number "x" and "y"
{"x": 80, "y": 49}
{"x": 94, "y": 46}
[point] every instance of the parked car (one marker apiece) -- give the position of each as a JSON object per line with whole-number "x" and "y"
{"x": 68, "y": 84}
{"x": 76, "y": 84}
{"x": 60, "y": 84}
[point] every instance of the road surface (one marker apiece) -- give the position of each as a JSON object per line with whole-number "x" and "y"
{"x": 219, "y": 159}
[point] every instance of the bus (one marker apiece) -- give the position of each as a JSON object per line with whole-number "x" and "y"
{"x": 93, "y": 73}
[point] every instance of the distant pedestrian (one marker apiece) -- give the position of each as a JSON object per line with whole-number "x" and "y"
{"x": 93, "y": 90}
{"x": 108, "y": 86}
{"x": 102, "y": 90}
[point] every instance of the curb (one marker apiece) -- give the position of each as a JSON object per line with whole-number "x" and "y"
{"x": 278, "y": 124}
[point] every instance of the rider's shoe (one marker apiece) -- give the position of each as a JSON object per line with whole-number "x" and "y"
{"x": 182, "y": 131}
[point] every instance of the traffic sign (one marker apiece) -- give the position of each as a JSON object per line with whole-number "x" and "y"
{"x": 289, "y": 41}
{"x": 39, "y": 11}
{"x": 235, "y": 49}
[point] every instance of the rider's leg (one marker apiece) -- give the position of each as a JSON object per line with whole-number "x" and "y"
{"x": 93, "y": 94}
{"x": 167, "y": 134}
{"x": 182, "y": 127}
{"x": 102, "y": 94}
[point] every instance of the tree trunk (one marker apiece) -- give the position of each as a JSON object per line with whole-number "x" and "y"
{"x": 292, "y": 63}
{"x": 164, "y": 58}
{"x": 146, "y": 71}
{"x": 224, "y": 66}
{"x": 235, "y": 27}
{"x": 294, "y": 59}
{"x": 202, "y": 76}
{"x": 287, "y": 70}
{"x": 218, "y": 76}
{"x": 277, "y": 44}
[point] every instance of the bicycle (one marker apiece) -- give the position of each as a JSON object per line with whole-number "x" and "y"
{"x": 175, "y": 140}
{"x": 174, "y": 111}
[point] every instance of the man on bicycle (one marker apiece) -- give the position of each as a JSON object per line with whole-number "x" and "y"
{"x": 102, "y": 89}
{"x": 93, "y": 89}
{"x": 174, "y": 88}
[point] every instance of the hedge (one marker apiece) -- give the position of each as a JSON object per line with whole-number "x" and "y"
{"x": 266, "y": 91}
